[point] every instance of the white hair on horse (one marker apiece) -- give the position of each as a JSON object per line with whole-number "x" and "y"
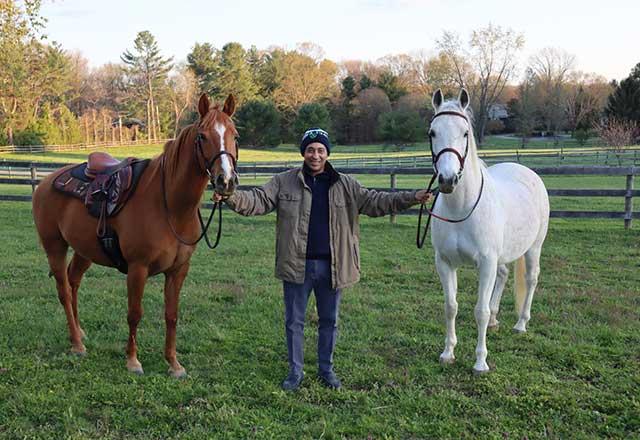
{"x": 505, "y": 212}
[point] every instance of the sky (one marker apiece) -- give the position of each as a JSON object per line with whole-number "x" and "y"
{"x": 604, "y": 36}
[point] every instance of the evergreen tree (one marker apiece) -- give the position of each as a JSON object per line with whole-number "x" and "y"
{"x": 258, "y": 124}
{"x": 311, "y": 115}
{"x": 148, "y": 72}
{"x": 624, "y": 102}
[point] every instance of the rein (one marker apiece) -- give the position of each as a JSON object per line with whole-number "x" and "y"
{"x": 420, "y": 239}
{"x": 207, "y": 169}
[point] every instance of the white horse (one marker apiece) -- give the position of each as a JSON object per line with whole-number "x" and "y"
{"x": 509, "y": 215}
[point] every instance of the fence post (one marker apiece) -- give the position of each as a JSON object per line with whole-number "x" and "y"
{"x": 33, "y": 178}
{"x": 518, "y": 156}
{"x": 628, "y": 203}
{"x": 394, "y": 181}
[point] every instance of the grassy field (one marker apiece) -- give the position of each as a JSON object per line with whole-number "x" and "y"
{"x": 575, "y": 374}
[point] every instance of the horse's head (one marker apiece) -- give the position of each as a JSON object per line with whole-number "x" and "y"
{"x": 216, "y": 142}
{"x": 449, "y": 134}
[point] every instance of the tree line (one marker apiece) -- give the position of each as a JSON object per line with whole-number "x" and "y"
{"x": 51, "y": 96}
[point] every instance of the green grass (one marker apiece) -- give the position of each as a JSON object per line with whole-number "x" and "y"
{"x": 575, "y": 374}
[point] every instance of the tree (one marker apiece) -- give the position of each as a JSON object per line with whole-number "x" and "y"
{"x": 21, "y": 58}
{"x": 147, "y": 71}
{"x": 201, "y": 61}
{"x": 311, "y": 115}
{"x": 523, "y": 108}
{"x": 182, "y": 93}
{"x": 390, "y": 83}
{"x": 624, "y": 102}
{"x": 258, "y": 124}
{"x": 484, "y": 66}
{"x": 367, "y": 108}
{"x": 232, "y": 75}
{"x": 401, "y": 126}
{"x": 551, "y": 69}
{"x": 301, "y": 79}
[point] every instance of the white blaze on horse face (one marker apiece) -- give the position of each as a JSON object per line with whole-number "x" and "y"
{"x": 227, "y": 169}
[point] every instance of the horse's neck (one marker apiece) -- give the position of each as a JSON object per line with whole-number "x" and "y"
{"x": 184, "y": 181}
{"x": 461, "y": 201}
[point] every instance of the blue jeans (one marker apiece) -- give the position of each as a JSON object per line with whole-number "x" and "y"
{"x": 296, "y": 296}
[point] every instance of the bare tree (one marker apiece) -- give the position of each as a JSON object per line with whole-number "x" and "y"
{"x": 552, "y": 68}
{"x": 183, "y": 87}
{"x": 617, "y": 134}
{"x": 484, "y": 66}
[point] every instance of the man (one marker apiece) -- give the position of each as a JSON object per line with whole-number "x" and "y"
{"x": 317, "y": 242}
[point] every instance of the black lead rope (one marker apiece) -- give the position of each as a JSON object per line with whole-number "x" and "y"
{"x": 204, "y": 228}
{"x": 216, "y": 205}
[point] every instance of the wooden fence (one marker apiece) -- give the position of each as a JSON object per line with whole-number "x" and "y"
{"x": 30, "y": 173}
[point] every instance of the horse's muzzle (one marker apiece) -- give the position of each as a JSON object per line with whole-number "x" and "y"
{"x": 447, "y": 184}
{"x": 224, "y": 185}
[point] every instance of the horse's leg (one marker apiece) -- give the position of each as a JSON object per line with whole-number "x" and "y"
{"x": 532, "y": 262}
{"x": 57, "y": 255}
{"x": 75, "y": 271}
{"x": 488, "y": 273}
{"x": 172, "y": 285}
{"x": 136, "y": 280}
{"x": 501, "y": 280}
{"x": 449, "y": 282}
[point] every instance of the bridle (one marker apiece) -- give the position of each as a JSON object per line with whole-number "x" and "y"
{"x": 434, "y": 159}
{"x": 206, "y": 166}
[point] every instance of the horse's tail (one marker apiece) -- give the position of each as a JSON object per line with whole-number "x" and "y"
{"x": 520, "y": 284}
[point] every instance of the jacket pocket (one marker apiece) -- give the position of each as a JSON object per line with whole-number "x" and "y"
{"x": 288, "y": 204}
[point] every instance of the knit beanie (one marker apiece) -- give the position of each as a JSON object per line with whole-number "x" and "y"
{"x": 315, "y": 135}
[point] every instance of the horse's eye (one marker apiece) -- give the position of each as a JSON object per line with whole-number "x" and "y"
{"x": 432, "y": 133}
{"x": 466, "y": 134}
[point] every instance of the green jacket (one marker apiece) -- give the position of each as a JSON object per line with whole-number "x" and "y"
{"x": 288, "y": 194}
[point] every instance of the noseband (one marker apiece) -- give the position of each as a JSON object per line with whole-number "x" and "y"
{"x": 207, "y": 167}
{"x": 435, "y": 158}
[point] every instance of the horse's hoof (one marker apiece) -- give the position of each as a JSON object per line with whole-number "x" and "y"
{"x": 136, "y": 370}
{"x": 178, "y": 374}
{"x": 480, "y": 372}
{"x": 80, "y": 352}
{"x": 519, "y": 330}
{"x": 494, "y": 327}
{"x": 135, "y": 367}
{"x": 447, "y": 361}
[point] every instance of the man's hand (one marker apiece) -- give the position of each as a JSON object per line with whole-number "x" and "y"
{"x": 424, "y": 196}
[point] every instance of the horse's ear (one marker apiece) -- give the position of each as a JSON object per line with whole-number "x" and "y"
{"x": 437, "y": 99}
{"x": 229, "y": 105}
{"x": 464, "y": 98}
{"x": 203, "y": 105}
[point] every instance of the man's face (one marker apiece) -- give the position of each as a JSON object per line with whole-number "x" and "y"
{"x": 315, "y": 156}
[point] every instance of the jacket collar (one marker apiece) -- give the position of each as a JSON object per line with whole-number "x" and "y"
{"x": 334, "y": 176}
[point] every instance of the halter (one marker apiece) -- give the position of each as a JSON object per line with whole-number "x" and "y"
{"x": 207, "y": 168}
{"x": 435, "y": 158}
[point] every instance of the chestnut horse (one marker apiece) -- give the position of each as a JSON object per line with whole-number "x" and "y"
{"x": 157, "y": 228}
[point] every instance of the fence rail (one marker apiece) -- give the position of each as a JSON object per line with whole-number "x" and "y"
{"x": 34, "y": 170}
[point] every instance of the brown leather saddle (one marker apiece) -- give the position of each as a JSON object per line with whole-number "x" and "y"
{"x": 104, "y": 184}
